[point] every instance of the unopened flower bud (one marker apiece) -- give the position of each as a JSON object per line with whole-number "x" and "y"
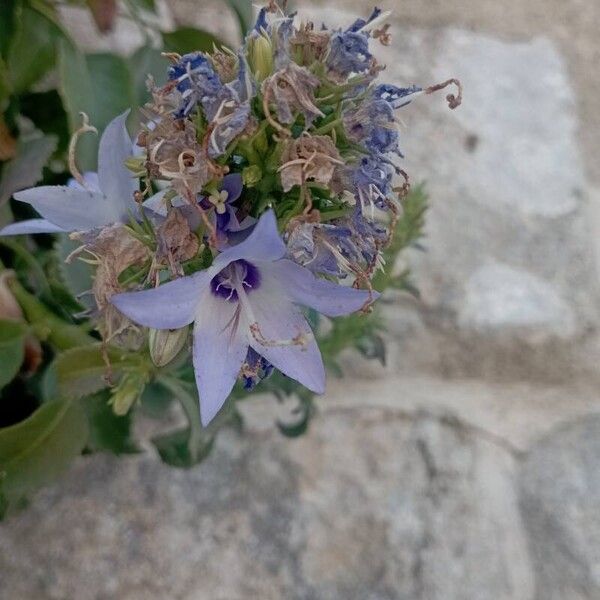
{"x": 127, "y": 392}
{"x": 165, "y": 344}
{"x": 261, "y": 57}
{"x": 137, "y": 165}
{"x": 251, "y": 175}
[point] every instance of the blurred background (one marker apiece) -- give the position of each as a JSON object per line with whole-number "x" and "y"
{"x": 467, "y": 467}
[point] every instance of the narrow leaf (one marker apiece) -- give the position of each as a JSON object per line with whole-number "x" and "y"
{"x": 12, "y": 349}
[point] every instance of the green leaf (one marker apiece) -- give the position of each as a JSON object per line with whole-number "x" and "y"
{"x": 46, "y": 111}
{"x": 12, "y": 349}
{"x": 243, "y": 11}
{"x": 409, "y": 230}
{"x": 174, "y": 448}
{"x": 32, "y": 50}
{"x": 108, "y": 432}
{"x": 82, "y": 371}
{"x": 25, "y": 169}
{"x": 37, "y": 450}
{"x": 188, "y": 39}
{"x": 156, "y": 400}
{"x": 5, "y": 85}
{"x": 76, "y": 275}
{"x": 112, "y": 87}
{"x": 8, "y": 24}
{"x": 99, "y": 85}
{"x": 147, "y": 61}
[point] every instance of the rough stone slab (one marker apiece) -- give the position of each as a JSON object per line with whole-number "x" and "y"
{"x": 560, "y": 500}
{"x": 368, "y": 505}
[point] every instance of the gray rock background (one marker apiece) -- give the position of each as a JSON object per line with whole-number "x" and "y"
{"x": 468, "y": 467}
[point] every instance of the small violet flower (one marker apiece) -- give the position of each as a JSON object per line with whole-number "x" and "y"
{"x": 106, "y": 199}
{"x": 249, "y": 298}
{"x": 223, "y": 202}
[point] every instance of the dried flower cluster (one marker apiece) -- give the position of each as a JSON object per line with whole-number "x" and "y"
{"x": 261, "y": 182}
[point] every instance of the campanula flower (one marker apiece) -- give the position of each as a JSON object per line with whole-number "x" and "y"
{"x": 249, "y": 298}
{"x": 223, "y": 203}
{"x": 107, "y": 198}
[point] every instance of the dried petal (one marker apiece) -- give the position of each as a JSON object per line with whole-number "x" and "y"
{"x": 292, "y": 90}
{"x": 313, "y": 158}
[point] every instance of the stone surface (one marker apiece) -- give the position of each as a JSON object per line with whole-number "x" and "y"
{"x": 457, "y": 471}
{"x": 560, "y": 499}
{"x": 371, "y": 504}
{"x": 499, "y": 297}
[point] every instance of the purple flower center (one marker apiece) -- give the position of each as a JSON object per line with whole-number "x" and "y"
{"x": 240, "y": 274}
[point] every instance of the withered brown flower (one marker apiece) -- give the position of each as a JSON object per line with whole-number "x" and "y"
{"x": 309, "y": 158}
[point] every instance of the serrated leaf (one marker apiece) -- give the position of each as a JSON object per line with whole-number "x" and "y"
{"x": 108, "y": 432}
{"x": 12, "y": 349}
{"x": 35, "y": 451}
{"x": 25, "y": 169}
{"x": 80, "y": 372}
{"x": 188, "y": 39}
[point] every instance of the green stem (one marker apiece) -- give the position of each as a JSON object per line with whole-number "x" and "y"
{"x": 328, "y": 127}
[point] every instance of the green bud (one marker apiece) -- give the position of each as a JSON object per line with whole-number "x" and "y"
{"x": 127, "y": 392}
{"x": 260, "y": 57}
{"x": 165, "y": 344}
{"x": 136, "y": 164}
{"x": 251, "y": 175}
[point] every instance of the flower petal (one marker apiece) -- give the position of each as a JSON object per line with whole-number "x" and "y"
{"x": 169, "y": 306}
{"x": 233, "y": 185}
{"x": 90, "y": 179}
{"x": 220, "y": 347}
{"x": 324, "y": 296}
{"x": 263, "y": 244}
{"x": 157, "y": 205}
{"x": 116, "y": 181}
{"x": 280, "y": 320}
{"x": 30, "y": 226}
{"x": 69, "y": 208}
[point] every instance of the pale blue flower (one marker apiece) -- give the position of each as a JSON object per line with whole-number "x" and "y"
{"x": 107, "y": 199}
{"x": 249, "y": 298}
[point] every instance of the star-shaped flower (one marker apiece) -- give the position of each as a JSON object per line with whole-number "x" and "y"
{"x": 249, "y": 298}
{"x": 107, "y": 199}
